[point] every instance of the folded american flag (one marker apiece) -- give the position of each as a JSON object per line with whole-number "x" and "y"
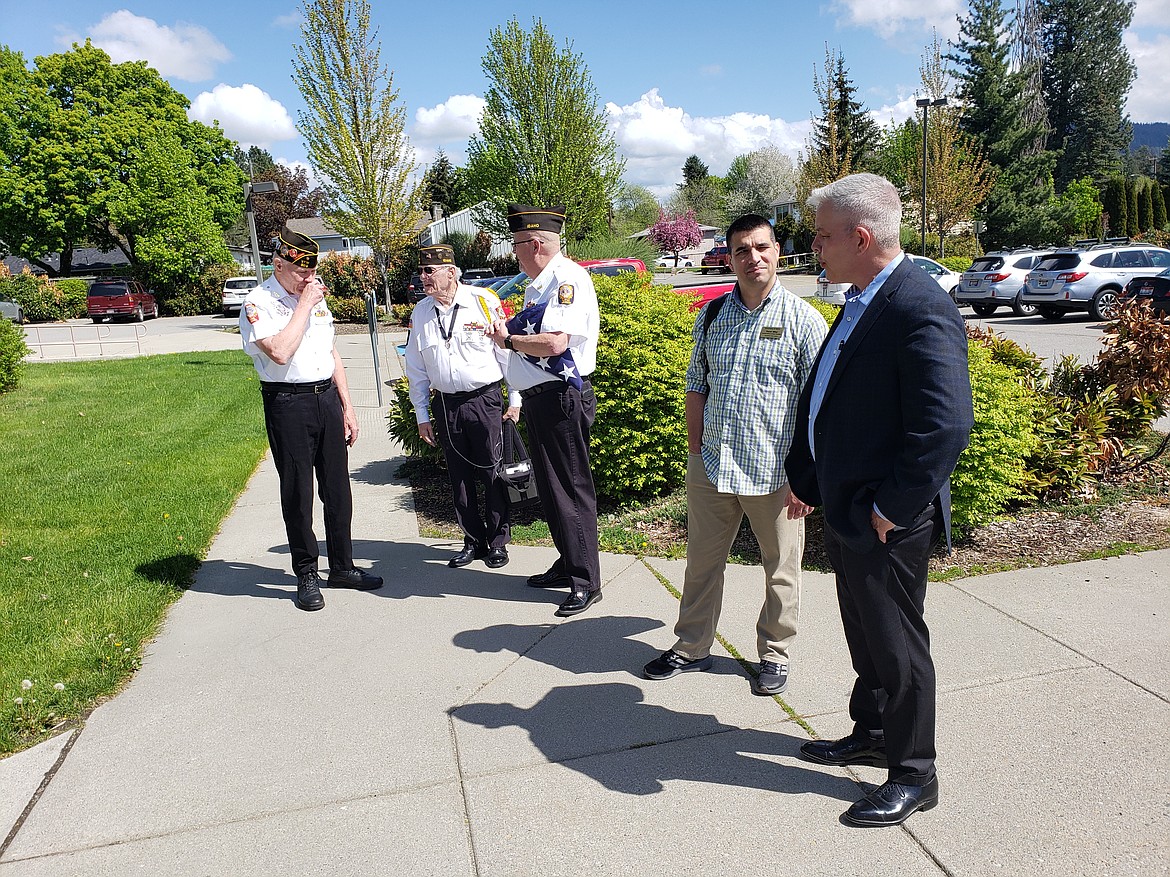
{"x": 563, "y": 367}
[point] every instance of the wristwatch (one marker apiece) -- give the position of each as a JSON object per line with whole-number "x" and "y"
{"x": 508, "y": 343}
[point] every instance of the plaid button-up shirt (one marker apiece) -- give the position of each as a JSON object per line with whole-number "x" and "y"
{"x": 752, "y": 366}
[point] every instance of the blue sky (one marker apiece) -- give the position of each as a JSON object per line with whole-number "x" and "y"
{"x": 712, "y": 79}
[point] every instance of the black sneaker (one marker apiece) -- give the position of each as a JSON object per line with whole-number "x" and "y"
{"x": 309, "y": 592}
{"x": 354, "y": 578}
{"x": 773, "y": 679}
{"x": 671, "y": 663}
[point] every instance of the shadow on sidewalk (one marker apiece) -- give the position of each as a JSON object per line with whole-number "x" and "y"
{"x": 573, "y": 725}
{"x": 575, "y": 646}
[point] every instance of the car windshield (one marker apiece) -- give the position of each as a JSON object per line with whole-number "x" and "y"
{"x": 243, "y": 283}
{"x": 515, "y": 286}
{"x": 1059, "y": 263}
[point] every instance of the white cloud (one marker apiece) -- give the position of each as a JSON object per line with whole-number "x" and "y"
{"x": 889, "y": 17}
{"x": 1152, "y": 14}
{"x": 245, "y": 113}
{"x": 289, "y": 20}
{"x": 656, "y": 139}
{"x": 711, "y": 70}
{"x": 1147, "y": 98}
{"x": 457, "y": 118}
{"x": 186, "y": 51}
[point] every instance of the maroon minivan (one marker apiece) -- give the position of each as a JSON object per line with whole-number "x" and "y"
{"x": 120, "y": 298}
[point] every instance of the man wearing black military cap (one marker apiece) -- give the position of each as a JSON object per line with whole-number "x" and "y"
{"x": 287, "y": 329}
{"x": 554, "y": 339}
{"x": 450, "y": 351}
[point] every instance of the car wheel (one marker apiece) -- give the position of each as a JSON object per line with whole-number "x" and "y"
{"x": 96, "y": 319}
{"x": 154, "y": 313}
{"x": 1104, "y": 305}
{"x": 983, "y": 310}
{"x": 139, "y": 316}
{"x": 1049, "y": 313}
{"x": 703, "y": 270}
{"x": 1022, "y": 308}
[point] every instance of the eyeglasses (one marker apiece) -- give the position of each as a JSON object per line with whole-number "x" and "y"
{"x": 516, "y": 244}
{"x": 431, "y": 269}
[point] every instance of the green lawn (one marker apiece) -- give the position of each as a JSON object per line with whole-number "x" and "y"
{"x": 115, "y": 478}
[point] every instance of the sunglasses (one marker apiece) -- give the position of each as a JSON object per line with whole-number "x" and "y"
{"x": 431, "y": 269}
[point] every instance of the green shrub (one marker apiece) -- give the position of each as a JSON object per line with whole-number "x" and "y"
{"x": 347, "y": 276}
{"x": 13, "y": 350}
{"x": 41, "y": 299}
{"x": 957, "y": 263}
{"x": 638, "y": 444}
{"x": 401, "y": 314}
{"x": 403, "y": 425}
{"x": 347, "y": 310}
{"x": 73, "y": 291}
{"x": 990, "y": 473}
{"x": 504, "y": 266}
{"x": 826, "y": 310}
{"x": 205, "y": 296}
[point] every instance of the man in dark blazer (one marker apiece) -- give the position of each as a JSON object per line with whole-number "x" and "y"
{"x": 881, "y": 422}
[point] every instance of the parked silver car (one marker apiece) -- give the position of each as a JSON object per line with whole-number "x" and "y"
{"x": 1089, "y": 279}
{"x": 998, "y": 279}
{"x": 10, "y": 310}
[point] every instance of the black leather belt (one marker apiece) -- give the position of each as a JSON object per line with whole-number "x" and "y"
{"x": 470, "y": 394}
{"x": 550, "y": 385}
{"x": 315, "y": 388}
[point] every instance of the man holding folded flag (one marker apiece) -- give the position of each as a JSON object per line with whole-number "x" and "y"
{"x": 554, "y": 339}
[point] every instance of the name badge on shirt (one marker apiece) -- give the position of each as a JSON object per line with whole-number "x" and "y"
{"x": 771, "y": 333}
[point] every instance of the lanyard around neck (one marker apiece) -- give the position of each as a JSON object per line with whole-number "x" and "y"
{"x": 447, "y": 332}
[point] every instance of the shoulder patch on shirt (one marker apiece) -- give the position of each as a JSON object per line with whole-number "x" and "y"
{"x": 320, "y": 312}
{"x": 251, "y": 313}
{"x": 565, "y": 293}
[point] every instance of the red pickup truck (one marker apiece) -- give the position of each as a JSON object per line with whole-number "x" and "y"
{"x": 716, "y": 259}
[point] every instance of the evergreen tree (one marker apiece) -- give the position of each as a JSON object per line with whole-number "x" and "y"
{"x": 1132, "y": 221}
{"x": 1145, "y": 198}
{"x": 694, "y": 171}
{"x": 1019, "y": 209}
{"x": 859, "y": 133}
{"x": 1159, "y": 206}
{"x": 441, "y": 184}
{"x": 1116, "y": 207}
{"x": 1085, "y": 80}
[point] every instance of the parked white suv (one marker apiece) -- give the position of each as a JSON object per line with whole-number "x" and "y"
{"x": 998, "y": 279}
{"x": 1089, "y": 279}
{"x": 235, "y": 290}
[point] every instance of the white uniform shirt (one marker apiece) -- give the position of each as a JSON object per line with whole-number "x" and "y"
{"x": 470, "y": 361}
{"x": 572, "y": 309}
{"x": 268, "y": 309}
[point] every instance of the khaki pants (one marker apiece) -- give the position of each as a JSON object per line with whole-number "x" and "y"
{"x": 713, "y": 519}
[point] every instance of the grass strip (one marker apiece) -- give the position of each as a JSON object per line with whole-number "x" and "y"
{"x": 116, "y": 476}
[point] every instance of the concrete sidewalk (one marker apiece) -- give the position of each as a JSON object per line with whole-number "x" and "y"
{"x": 449, "y": 724}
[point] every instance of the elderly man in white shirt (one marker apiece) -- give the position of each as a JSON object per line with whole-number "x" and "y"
{"x": 451, "y": 352}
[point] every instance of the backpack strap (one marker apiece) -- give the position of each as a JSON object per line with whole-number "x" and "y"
{"x": 710, "y": 312}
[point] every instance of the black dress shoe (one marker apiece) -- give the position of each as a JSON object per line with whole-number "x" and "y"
{"x": 496, "y": 558}
{"x": 892, "y": 804}
{"x": 355, "y": 578}
{"x": 578, "y": 602}
{"x": 550, "y": 579}
{"x": 854, "y": 749}
{"x": 468, "y": 554}
{"x": 309, "y": 592}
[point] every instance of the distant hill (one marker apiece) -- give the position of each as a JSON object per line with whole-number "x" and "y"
{"x": 1151, "y": 134}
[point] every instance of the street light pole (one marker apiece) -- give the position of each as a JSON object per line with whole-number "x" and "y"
{"x": 926, "y": 103}
{"x": 250, "y": 189}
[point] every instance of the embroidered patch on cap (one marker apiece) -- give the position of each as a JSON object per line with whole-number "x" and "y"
{"x": 251, "y": 313}
{"x": 565, "y": 293}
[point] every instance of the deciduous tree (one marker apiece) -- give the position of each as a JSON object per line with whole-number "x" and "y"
{"x": 354, "y": 128}
{"x": 102, "y": 154}
{"x": 543, "y": 138}
{"x": 758, "y": 180}
{"x": 673, "y": 234}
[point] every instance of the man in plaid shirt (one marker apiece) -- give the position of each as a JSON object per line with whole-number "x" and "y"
{"x": 747, "y": 370}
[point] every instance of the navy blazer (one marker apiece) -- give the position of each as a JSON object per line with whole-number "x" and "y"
{"x": 896, "y": 413}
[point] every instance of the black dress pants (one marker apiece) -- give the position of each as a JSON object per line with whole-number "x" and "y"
{"x": 558, "y": 421}
{"x": 882, "y": 595}
{"x": 306, "y": 432}
{"x": 472, "y": 440}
